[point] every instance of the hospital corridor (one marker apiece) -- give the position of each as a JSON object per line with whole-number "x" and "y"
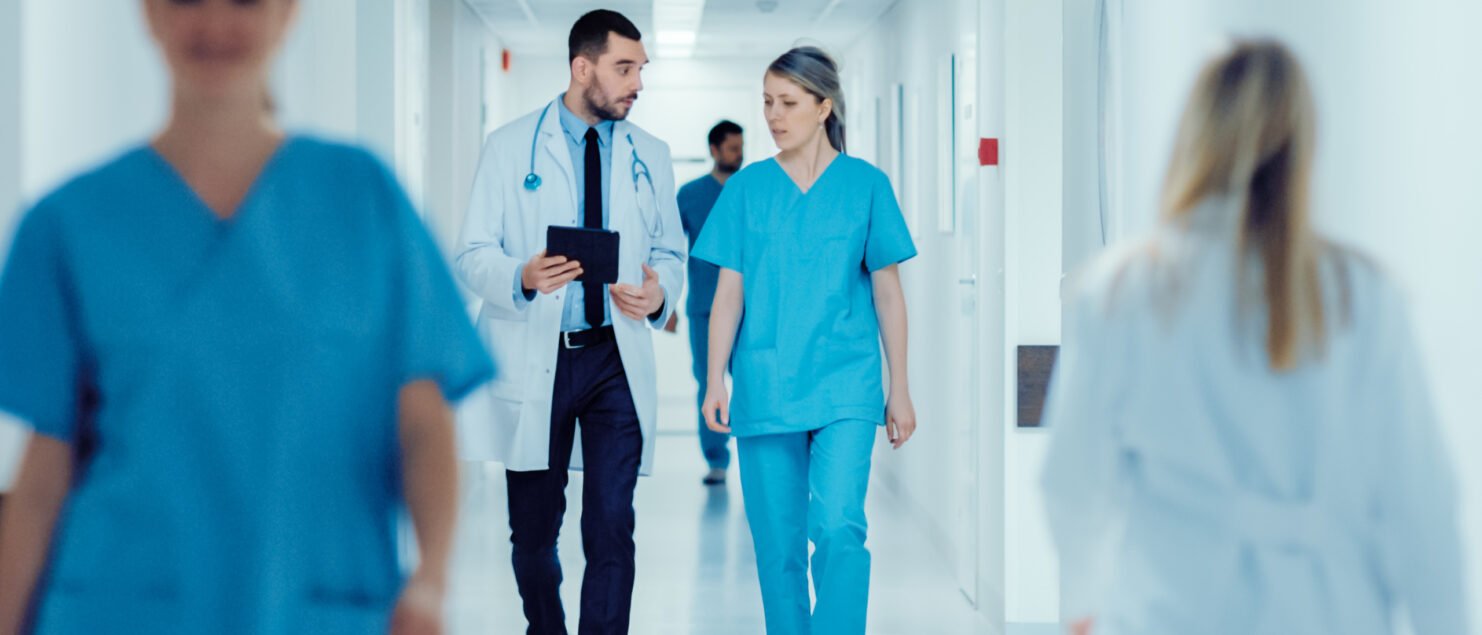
{"x": 735, "y": 317}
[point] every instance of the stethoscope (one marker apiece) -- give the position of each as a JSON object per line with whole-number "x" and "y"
{"x": 640, "y": 169}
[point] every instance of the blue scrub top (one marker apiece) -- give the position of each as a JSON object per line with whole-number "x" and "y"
{"x": 696, "y": 199}
{"x": 807, "y": 353}
{"x": 236, "y": 381}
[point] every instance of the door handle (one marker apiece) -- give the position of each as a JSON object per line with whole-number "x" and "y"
{"x": 970, "y": 280}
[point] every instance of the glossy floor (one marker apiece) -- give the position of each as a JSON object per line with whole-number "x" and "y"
{"x": 696, "y": 571}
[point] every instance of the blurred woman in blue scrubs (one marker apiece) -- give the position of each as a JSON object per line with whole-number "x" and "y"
{"x": 1243, "y": 439}
{"x": 235, "y": 347}
{"x": 809, "y": 244}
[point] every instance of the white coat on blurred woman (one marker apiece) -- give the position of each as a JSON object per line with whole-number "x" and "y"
{"x": 1243, "y": 439}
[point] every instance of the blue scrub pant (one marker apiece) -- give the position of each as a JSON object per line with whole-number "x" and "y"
{"x": 712, "y": 443}
{"x": 806, "y": 486}
{"x": 591, "y": 386}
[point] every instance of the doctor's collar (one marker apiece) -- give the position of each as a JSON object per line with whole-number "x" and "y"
{"x": 574, "y": 127}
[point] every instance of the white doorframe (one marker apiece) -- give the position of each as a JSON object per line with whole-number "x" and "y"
{"x": 989, "y": 418}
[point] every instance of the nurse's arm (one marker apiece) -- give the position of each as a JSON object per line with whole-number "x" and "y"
{"x": 890, "y": 308}
{"x": 26, "y": 524}
{"x": 430, "y": 479}
{"x": 725, "y": 317}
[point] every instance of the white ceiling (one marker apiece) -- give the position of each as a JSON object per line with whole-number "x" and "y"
{"x": 729, "y": 28}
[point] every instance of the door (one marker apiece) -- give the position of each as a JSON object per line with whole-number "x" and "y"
{"x": 958, "y": 215}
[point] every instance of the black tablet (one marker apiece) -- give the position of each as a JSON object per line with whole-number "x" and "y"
{"x": 596, "y": 249}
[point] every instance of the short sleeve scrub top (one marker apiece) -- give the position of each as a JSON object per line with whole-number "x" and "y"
{"x": 231, "y": 388}
{"x": 807, "y": 353}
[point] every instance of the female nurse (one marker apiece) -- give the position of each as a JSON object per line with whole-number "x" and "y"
{"x": 236, "y": 349}
{"x": 809, "y": 242}
{"x": 1243, "y": 441}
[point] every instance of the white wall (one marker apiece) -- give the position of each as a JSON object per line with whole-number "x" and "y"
{"x": 994, "y": 347}
{"x": 952, "y": 472}
{"x": 412, "y": 80}
{"x": 1032, "y": 156}
{"x": 686, "y": 97}
{"x": 1398, "y": 133}
{"x": 11, "y": 435}
{"x": 92, "y": 84}
{"x": 1082, "y": 228}
{"x": 376, "y": 76}
{"x": 10, "y": 115}
{"x": 457, "y": 45}
{"x": 314, "y": 82}
{"x": 1402, "y": 190}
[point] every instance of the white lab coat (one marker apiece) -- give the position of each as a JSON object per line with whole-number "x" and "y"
{"x": 1192, "y": 490}
{"x": 509, "y": 419}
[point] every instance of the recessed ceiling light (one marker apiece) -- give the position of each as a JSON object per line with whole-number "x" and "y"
{"x": 677, "y": 25}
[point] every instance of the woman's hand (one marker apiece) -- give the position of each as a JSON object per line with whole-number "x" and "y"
{"x": 717, "y": 407}
{"x": 419, "y": 610}
{"x": 900, "y": 418}
{"x": 1081, "y": 627}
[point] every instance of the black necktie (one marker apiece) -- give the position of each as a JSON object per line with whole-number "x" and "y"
{"x": 593, "y": 202}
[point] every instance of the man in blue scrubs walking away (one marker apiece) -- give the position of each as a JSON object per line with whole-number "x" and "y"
{"x": 695, "y": 200}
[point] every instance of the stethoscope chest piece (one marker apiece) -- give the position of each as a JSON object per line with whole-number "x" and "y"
{"x": 532, "y": 181}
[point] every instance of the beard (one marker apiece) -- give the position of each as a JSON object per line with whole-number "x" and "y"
{"x": 603, "y": 106}
{"x": 728, "y": 168}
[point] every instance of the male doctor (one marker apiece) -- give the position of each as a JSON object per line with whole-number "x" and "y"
{"x": 574, "y": 352}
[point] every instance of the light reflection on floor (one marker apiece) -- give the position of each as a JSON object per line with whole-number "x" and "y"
{"x": 696, "y": 571}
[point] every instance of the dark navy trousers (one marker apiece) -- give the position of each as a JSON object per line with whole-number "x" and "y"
{"x": 591, "y": 387}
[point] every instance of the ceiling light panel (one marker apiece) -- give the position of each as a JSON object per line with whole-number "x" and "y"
{"x": 677, "y": 26}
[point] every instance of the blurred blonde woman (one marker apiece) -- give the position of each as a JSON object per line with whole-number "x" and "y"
{"x": 1243, "y": 437}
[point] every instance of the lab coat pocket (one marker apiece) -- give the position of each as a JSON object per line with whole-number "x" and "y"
{"x": 758, "y": 391}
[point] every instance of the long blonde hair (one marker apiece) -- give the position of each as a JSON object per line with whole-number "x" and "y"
{"x": 1247, "y": 133}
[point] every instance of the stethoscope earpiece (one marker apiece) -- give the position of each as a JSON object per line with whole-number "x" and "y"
{"x": 532, "y": 181}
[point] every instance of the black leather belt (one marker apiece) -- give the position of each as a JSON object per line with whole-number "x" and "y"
{"x": 589, "y": 337}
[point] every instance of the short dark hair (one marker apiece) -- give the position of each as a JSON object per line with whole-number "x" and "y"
{"x": 722, "y": 130}
{"x": 589, "y": 35}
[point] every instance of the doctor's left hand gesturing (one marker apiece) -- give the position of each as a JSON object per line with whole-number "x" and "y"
{"x": 639, "y": 302}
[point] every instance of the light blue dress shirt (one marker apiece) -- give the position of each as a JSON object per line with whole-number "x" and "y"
{"x": 573, "y": 315}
